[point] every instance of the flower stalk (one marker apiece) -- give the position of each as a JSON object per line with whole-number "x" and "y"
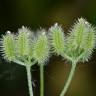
{"x": 29, "y": 78}
{"x": 41, "y": 80}
{"x": 71, "y": 74}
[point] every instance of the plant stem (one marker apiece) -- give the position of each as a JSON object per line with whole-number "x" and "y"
{"x": 41, "y": 80}
{"x": 28, "y": 68}
{"x": 69, "y": 79}
{"x": 18, "y": 62}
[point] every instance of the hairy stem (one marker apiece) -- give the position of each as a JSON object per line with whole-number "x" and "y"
{"x": 69, "y": 79}
{"x": 41, "y": 80}
{"x": 28, "y": 68}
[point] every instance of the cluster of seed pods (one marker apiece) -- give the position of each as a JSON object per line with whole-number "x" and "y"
{"x": 27, "y": 48}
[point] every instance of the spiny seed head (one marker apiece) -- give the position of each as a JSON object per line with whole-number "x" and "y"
{"x": 57, "y": 41}
{"x": 8, "y": 46}
{"x": 91, "y": 37}
{"x": 41, "y": 48}
{"x": 78, "y": 32}
{"x": 89, "y": 44}
{"x": 23, "y": 42}
{"x": 81, "y": 40}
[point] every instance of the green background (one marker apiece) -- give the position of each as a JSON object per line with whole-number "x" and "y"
{"x": 44, "y": 13}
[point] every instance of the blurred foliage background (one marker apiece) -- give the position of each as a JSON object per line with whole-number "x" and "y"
{"x": 44, "y": 13}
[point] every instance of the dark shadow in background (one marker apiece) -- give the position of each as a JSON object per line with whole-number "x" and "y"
{"x": 44, "y": 13}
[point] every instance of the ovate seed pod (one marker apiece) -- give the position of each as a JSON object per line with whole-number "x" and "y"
{"x": 56, "y": 38}
{"x": 23, "y": 42}
{"x": 8, "y": 46}
{"x": 41, "y": 48}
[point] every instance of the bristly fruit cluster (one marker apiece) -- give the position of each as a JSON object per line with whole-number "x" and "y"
{"x": 23, "y": 49}
{"x": 26, "y": 49}
{"x": 79, "y": 43}
{"x": 76, "y": 46}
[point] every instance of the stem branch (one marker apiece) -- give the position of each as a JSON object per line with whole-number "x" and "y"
{"x": 41, "y": 80}
{"x": 28, "y": 68}
{"x": 69, "y": 79}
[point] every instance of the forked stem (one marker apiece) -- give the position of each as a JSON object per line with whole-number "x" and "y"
{"x": 69, "y": 79}
{"x": 29, "y": 78}
{"x": 41, "y": 80}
